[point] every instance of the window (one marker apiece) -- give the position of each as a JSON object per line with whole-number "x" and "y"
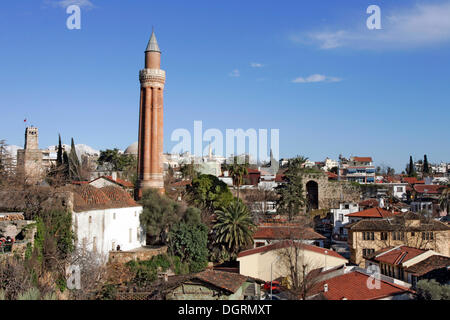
{"x": 384, "y": 235}
{"x": 341, "y": 217}
{"x": 131, "y": 235}
{"x": 413, "y": 234}
{"x": 368, "y": 236}
{"x": 368, "y": 252}
{"x": 347, "y": 206}
{"x": 90, "y": 219}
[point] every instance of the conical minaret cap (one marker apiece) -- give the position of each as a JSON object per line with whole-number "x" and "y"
{"x": 153, "y": 44}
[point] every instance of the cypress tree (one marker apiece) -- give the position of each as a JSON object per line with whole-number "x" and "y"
{"x": 411, "y": 169}
{"x": 74, "y": 163}
{"x": 59, "y": 158}
{"x": 426, "y": 167}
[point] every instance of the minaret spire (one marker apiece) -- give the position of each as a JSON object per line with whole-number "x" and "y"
{"x": 152, "y": 43}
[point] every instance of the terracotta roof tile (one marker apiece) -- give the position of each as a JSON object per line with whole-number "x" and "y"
{"x": 396, "y": 256}
{"x": 372, "y": 213}
{"x": 429, "y": 264}
{"x": 429, "y": 188}
{"x": 353, "y": 286}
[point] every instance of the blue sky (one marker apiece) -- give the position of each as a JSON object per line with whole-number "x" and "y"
{"x": 309, "y": 68}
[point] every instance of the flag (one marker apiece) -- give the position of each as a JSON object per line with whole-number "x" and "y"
{"x": 24, "y": 120}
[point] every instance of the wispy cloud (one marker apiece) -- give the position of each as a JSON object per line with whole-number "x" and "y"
{"x": 65, "y": 3}
{"x": 235, "y": 73}
{"x": 256, "y": 65}
{"x": 316, "y": 78}
{"x": 421, "y": 25}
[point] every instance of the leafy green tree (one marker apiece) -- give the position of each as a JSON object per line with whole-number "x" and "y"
{"x": 159, "y": 214}
{"x": 188, "y": 171}
{"x": 237, "y": 172}
{"x": 117, "y": 160}
{"x": 54, "y": 240}
{"x": 189, "y": 242}
{"x": 432, "y": 290}
{"x": 234, "y": 227}
{"x": 291, "y": 197}
{"x": 209, "y": 193}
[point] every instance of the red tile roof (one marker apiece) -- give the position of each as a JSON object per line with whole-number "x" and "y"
{"x": 285, "y": 232}
{"x": 353, "y": 286}
{"x": 412, "y": 180}
{"x": 369, "y": 203}
{"x": 182, "y": 183}
{"x": 429, "y": 264}
{"x": 396, "y": 256}
{"x": 286, "y": 244}
{"x": 332, "y": 175}
{"x": 362, "y": 159}
{"x": 429, "y": 188}
{"x": 372, "y": 213}
{"x": 279, "y": 178}
{"x": 123, "y": 183}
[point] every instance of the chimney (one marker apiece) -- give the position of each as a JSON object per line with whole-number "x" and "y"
{"x": 325, "y": 287}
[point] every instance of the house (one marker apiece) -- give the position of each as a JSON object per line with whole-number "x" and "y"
{"x": 351, "y": 283}
{"x": 425, "y": 199}
{"x": 368, "y": 236}
{"x": 434, "y": 267}
{"x": 339, "y": 217}
{"x": 267, "y": 233}
{"x": 271, "y": 261}
{"x": 215, "y": 285}
{"x": 399, "y": 262}
{"x": 357, "y": 169}
{"x": 105, "y": 218}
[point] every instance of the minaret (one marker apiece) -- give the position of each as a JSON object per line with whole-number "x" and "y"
{"x": 152, "y": 78}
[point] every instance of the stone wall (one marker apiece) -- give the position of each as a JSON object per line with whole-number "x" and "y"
{"x": 144, "y": 253}
{"x": 332, "y": 192}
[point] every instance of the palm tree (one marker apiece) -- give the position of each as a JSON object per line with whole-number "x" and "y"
{"x": 237, "y": 172}
{"x": 234, "y": 227}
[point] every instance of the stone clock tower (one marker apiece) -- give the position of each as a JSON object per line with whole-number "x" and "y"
{"x": 152, "y": 79}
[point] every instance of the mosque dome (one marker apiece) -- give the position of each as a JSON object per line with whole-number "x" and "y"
{"x": 132, "y": 149}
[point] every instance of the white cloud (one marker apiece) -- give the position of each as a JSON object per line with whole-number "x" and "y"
{"x": 421, "y": 25}
{"x": 235, "y": 73}
{"x": 66, "y": 3}
{"x": 256, "y": 65}
{"x": 316, "y": 78}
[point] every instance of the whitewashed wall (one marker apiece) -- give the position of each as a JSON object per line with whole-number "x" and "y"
{"x": 103, "y": 230}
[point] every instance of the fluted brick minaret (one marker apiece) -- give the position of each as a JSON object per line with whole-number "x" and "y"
{"x": 152, "y": 78}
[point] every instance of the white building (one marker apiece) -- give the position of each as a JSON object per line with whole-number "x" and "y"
{"x": 340, "y": 218}
{"x": 105, "y": 218}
